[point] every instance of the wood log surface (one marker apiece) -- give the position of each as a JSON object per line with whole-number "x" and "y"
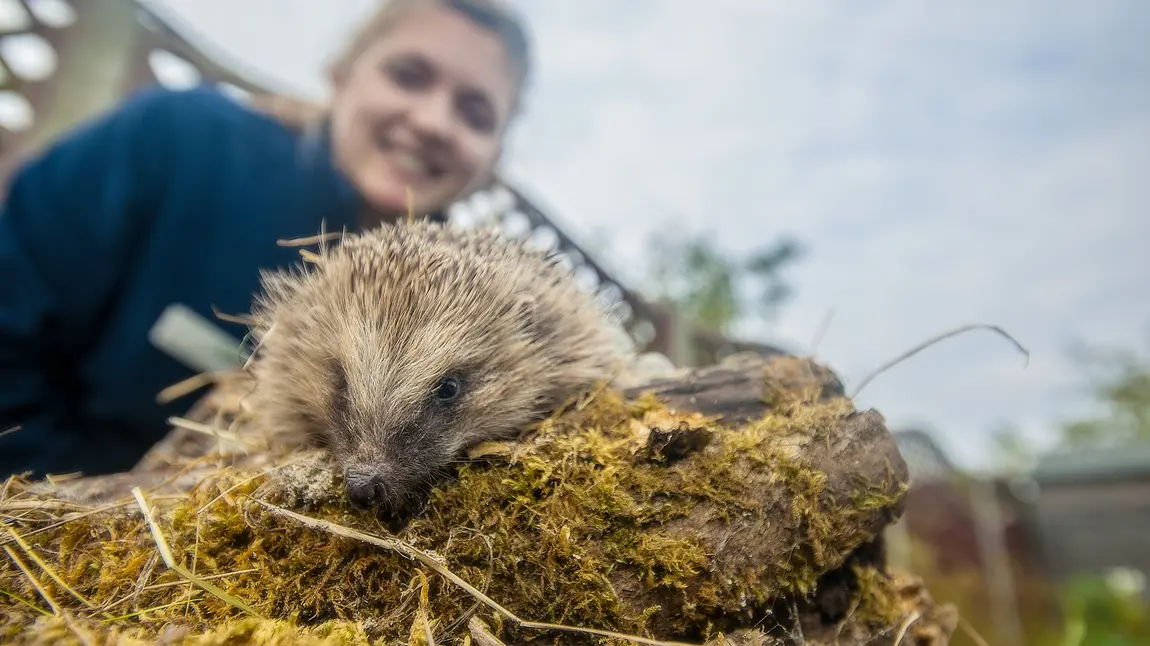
{"x": 833, "y": 480}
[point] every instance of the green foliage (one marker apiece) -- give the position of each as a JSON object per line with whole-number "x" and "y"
{"x": 1105, "y": 611}
{"x": 709, "y": 285}
{"x": 1118, "y": 380}
{"x": 1123, "y": 387}
{"x": 1013, "y": 452}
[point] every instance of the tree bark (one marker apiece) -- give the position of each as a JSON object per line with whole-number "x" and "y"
{"x": 855, "y": 457}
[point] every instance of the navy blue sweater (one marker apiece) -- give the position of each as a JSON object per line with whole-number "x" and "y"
{"x": 172, "y": 198}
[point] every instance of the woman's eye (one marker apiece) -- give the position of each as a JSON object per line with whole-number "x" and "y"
{"x": 409, "y": 73}
{"x": 478, "y": 113}
{"x": 448, "y": 389}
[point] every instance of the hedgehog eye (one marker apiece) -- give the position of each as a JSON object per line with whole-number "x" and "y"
{"x": 448, "y": 389}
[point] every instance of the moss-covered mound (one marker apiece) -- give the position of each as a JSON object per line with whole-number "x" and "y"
{"x": 618, "y": 515}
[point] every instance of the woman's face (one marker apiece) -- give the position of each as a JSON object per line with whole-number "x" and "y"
{"x": 423, "y": 108}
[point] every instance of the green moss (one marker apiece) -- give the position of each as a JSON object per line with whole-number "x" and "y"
{"x": 551, "y": 529}
{"x": 83, "y": 632}
{"x": 879, "y": 604}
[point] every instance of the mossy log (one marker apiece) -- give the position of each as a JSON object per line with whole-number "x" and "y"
{"x": 746, "y": 498}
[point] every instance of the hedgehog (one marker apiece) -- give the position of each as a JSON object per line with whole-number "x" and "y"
{"x": 400, "y": 347}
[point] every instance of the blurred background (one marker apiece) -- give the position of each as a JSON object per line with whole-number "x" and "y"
{"x": 837, "y": 178}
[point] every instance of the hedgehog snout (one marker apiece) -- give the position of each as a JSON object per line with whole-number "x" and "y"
{"x": 365, "y": 489}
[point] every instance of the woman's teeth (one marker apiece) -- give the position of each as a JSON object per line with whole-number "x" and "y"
{"x": 410, "y": 162}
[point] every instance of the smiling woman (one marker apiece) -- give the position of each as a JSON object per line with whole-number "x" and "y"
{"x": 422, "y": 99}
{"x": 422, "y": 96}
{"x": 120, "y": 241}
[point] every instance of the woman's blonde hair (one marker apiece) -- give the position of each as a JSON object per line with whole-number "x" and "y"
{"x": 493, "y": 15}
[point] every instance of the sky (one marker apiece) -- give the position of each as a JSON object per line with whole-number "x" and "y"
{"x": 944, "y": 163}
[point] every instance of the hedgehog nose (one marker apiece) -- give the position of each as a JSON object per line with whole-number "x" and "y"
{"x": 364, "y": 489}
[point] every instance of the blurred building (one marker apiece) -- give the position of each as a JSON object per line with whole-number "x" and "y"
{"x": 1093, "y": 511}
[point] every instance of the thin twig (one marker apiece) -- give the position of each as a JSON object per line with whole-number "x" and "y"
{"x": 482, "y": 634}
{"x": 821, "y": 333}
{"x": 465, "y": 618}
{"x": 926, "y": 344}
{"x": 911, "y": 618}
{"x": 799, "y": 622}
{"x": 971, "y": 632}
{"x": 416, "y": 554}
{"x": 144, "y": 576}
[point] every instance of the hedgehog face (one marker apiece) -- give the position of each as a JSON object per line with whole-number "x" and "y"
{"x": 391, "y": 446}
{"x": 402, "y": 410}
{"x": 410, "y": 344}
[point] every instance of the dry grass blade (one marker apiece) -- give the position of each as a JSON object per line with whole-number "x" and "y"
{"x": 310, "y": 240}
{"x": 416, "y": 554}
{"x": 145, "y": 611}
{"x": 913, "y": 617}
{"x": 33, "y": 580}
{"x": 42, "y": 505}
{"x": 24, "y": 602}
{"x": 239, "y": 319}
{"x": 212, "y": 431}
{"x": 482, "y": 634}
{"x": 63, "y": 521}
{"x": 971, "y": 632}
{"x": 170, "y": 561}
{"x": 82, "y": 636}
{"x": 49, "y": 570}
{"x": 928, "y": 343}
{"x": 470, "y": 612}
{"x": 172, "y": 584}
{"x": 424, "y": 602}
{"x": 187, "y": 386}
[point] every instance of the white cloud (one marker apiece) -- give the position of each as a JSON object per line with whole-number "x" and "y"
{"x": 945, "y": 163}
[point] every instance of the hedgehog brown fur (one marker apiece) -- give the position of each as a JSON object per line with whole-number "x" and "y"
{"x": 403, "y": 346}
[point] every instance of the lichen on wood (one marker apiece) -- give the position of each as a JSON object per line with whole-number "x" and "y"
{"x": 745, "y": 495}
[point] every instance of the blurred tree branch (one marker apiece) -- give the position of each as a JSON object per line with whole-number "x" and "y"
{"x": 710, "y": 286}
{"x": 1123, "y": 387}
{"x": 1118, "y": 379}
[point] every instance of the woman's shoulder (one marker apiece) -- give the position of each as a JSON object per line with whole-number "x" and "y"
{"x": 191, "y": 111}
